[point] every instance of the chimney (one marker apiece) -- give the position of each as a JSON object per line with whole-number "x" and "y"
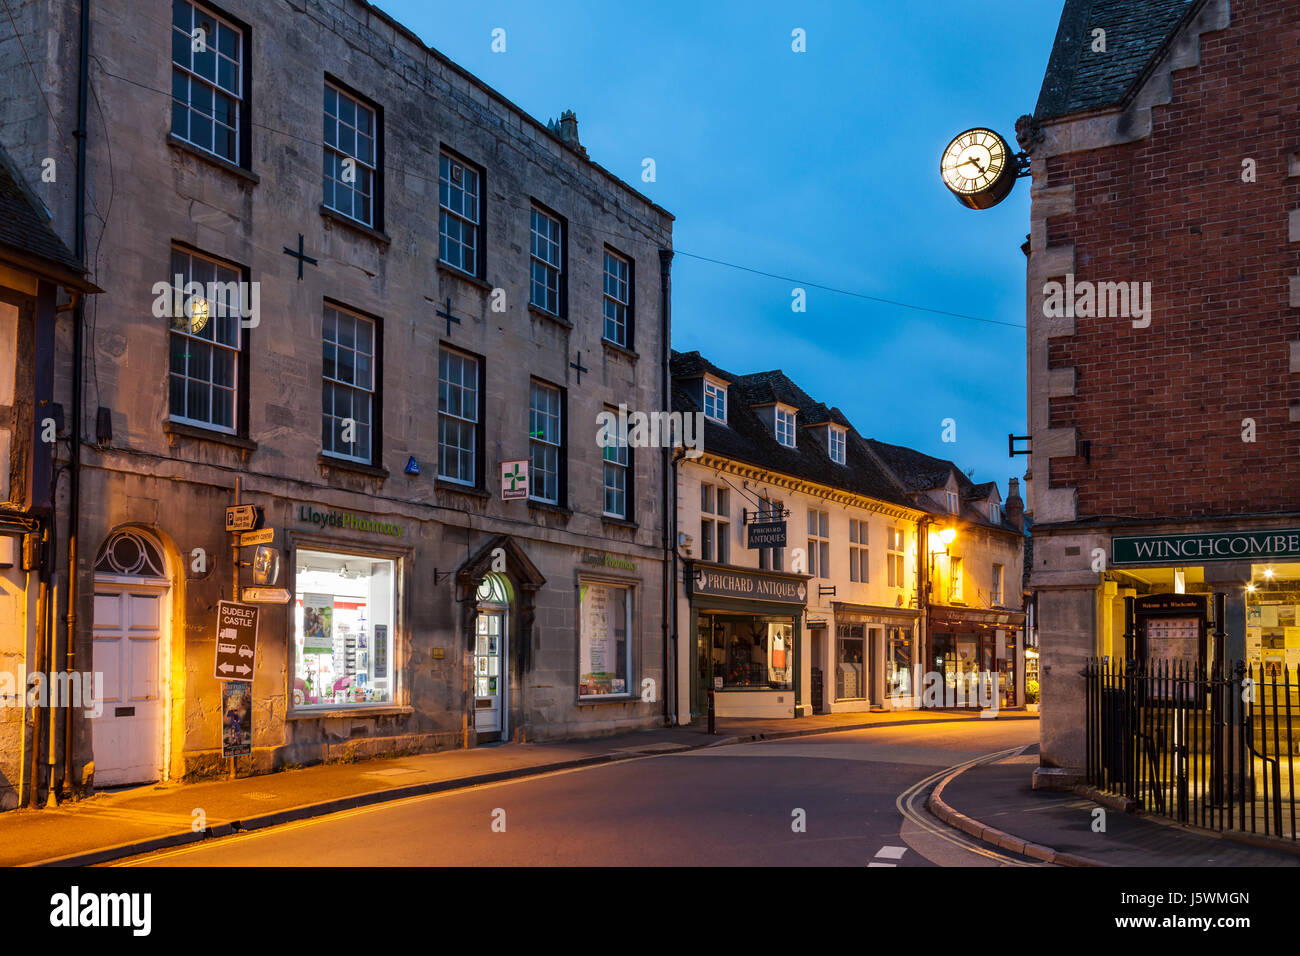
{"x": 567, "y": 130}
{"x": 1014, "y": 507}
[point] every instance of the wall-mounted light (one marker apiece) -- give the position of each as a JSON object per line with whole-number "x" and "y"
{"x": 947, "y": 536}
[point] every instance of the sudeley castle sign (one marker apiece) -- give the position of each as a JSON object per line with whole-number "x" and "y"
{"x": 1205, "y": 546}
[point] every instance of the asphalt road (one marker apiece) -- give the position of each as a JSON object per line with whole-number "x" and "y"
{"x": 859, "y": 796}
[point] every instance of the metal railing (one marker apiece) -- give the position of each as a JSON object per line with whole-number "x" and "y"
{"x": 1199, "y": 746}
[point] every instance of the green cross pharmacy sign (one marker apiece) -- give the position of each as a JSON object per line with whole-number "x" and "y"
{"x": 514, "y": 479}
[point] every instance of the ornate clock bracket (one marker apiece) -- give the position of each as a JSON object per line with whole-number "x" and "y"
{"x": 1028, "y": 135}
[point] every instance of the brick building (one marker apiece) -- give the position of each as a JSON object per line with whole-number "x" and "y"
{"x": 1164, "y": 340}
{"x": 346, "y": 283}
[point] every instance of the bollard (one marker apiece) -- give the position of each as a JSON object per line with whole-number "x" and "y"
{"x": 712, "y": 724}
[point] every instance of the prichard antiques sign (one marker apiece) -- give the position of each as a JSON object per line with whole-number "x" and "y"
{"x": 716, "y": 582}
{"x": 1205, "y": 546}
{"x": 766, "y": 534}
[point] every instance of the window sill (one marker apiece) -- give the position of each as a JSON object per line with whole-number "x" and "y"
{"x": 176, "y": 430}
{"x": 175, "y": 142}
{"x": 549, "y": 316}
{"x": 446, "y": 270}
{"x": 329, "y": 214}
{"x": 342, "y": 464}
{"x": 443, "y": 485}
{"x": 333, "y": 711}
{"x": 553, "y": 509}
{"x": 600, "y": 699}
{"x": 619, "y": 522}
{"x": 620, "y": 349}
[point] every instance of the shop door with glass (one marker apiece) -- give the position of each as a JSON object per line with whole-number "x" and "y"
{"x": 489, "y": 672}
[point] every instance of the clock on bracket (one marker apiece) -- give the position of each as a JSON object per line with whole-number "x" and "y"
{"x": 979, "y": 168}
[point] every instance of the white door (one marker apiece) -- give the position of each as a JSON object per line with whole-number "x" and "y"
{"x": 128, "y": 630}
{"x": 489, "y": 672}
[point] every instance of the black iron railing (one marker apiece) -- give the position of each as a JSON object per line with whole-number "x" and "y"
{"x": 1199, "y": 746}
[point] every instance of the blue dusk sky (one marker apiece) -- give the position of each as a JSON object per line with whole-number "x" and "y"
{"x": 819, "y": 166}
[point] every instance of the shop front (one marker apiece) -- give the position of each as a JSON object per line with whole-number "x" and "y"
{"x": 874, "y": 659}
{"x": 746, "y": 629}
{"x": 973, "y": 659}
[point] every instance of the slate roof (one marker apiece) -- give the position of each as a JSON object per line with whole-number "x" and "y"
{"x": 891, "y": 473}
{"x": 25, "y": 227}
{"x": 1079, "y": 79}
{"x": 745, "y": 437}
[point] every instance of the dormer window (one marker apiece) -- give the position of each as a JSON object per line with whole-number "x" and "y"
{"x": 785, "y": 427}
{"x": 836, "y": 445}
{"x": 995, "y": 512}
{"x": 952, "y": 502}
{"x": 715, "y": 401}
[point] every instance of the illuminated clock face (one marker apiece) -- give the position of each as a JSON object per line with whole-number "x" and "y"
{"x": 974, "y": 161}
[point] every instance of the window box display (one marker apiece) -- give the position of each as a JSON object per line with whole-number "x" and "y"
{"x": 343, "y": 619}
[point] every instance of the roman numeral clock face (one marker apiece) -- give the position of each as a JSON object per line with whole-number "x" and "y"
{"x": 977, "y": 166}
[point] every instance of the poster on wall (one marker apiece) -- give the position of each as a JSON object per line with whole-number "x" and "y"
{"x": 236, "y": 718}
{"x": 597, "y": 640}
{"x": 1254, "y": 641}
{"x": 318, "y": 624}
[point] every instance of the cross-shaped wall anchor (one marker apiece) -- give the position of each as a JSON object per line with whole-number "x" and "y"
{"x": 299, "y": 255}
{"x": 580, "y": 367}
{"x": 448, "y": 316}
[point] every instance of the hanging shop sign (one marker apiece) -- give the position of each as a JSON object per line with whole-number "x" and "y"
{"x": 265, "y": 536}
{"x": 514, "y": 479}
{"x": 717, "y": 582}
{"x": 1205, "y": 546}
{"x": 765, "y": 534}
{"x": 346, "y": 519}
{"x": 236, "y": 641}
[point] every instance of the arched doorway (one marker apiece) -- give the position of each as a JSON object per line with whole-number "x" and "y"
{"x": 497, "y": 591}
{"x": 131, "y": 625}
{"x": 490, "y": 661}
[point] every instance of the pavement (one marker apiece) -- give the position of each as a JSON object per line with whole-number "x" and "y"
{"x": 116, "y": 824}
{"x": 995, "y": 803}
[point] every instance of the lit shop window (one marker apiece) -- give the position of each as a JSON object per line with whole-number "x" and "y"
{"x": 343, "y": 629}
{"x": 850, "y": 665}
{"x": 605, "y": 653}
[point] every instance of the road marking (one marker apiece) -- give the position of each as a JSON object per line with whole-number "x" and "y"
{"x": 882, "y": 864}
{"x": 907, "y": 804}
{"x": 891, "y": 852}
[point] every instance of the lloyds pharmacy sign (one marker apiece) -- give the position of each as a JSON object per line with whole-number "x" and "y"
{"x": 1205, "y": 546}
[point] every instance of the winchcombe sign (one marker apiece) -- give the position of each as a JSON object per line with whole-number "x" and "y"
{"x": 1205, "y": 546}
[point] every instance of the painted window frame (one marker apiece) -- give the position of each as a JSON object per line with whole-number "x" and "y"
{"x": 548, "y": 267}
{"x": 374, "y": 166}
{"x": 632, "y": 633}
{"x": 475, "y": 422}
{"x": 715, "y": 394}
{"x": 837, "y": 444}
{"x": 448, "y": 161}
{"x": 372, "y": 391}
{"x": 240, "y": 153}
{"x": 617, "y": 461}
{"x": 554, "y": 443}
{"x": 239, "y": 363}
{"x": 621, "y": 308}
{"x": 784, "y": 426}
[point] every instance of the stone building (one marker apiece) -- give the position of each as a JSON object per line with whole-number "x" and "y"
{"x": 974, "y": 627}
{"x": 34, "y": 266}
{"x": 352, "y": 286}
{"x": 1164, "y": 343}
{"x": 836, "y": 620}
